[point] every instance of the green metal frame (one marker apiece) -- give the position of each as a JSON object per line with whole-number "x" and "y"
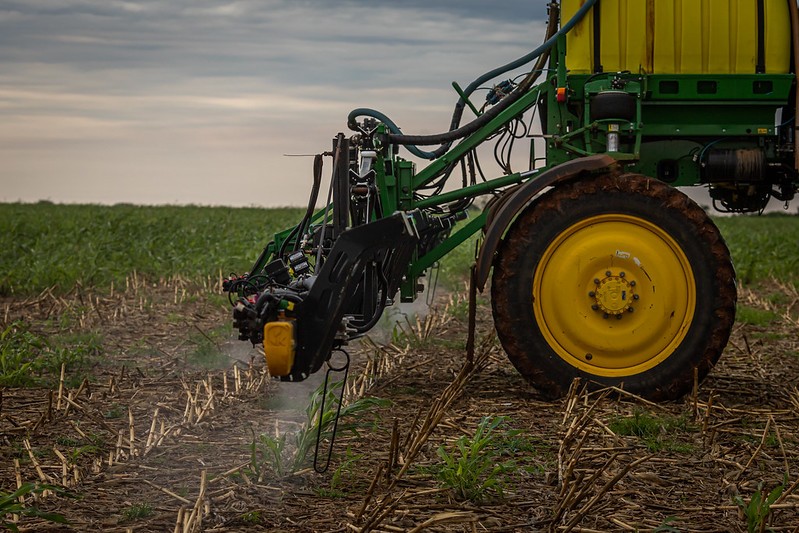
{"x": 677, "y": 117}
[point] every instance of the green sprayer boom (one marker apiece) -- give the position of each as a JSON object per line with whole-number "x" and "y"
{"x": 602, "y": 269}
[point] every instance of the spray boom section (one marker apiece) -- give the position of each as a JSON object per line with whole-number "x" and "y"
{"x": 327, "y": 280}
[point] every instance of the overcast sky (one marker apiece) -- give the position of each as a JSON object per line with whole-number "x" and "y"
{"x": 196, "y": 101}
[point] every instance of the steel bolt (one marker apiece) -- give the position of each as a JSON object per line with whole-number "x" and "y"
{"x": 591, "y": 294}
{"x": 605, "y": 316}
{"x": 632, "y": 284}
{"x": 596, "y": 281}
{"x": 622, "y": 274}
{"x": 635, "y": 296}
{"x": 588, "y": 357}
{"x": 618, "y": 317}
{"x": 630, "y": 309}
{"x": 595, "y": 307}
{"x": 607, "y": 273}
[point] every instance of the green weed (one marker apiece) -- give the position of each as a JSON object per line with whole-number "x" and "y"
{"x": 474, "y": 470}
{"x": 27, "y": 359}
{"x": 83, "y": 450}
{"x": 19, "y": 350}
{"x": 755, "y": 317}
{"x": 116, "y": 411}
{"x": 771, "y": 440}
{"x": 666, "y": 527}
{"x": 757, "y": 510}
{"x": 10, "y": 505}
{"x": 252, "y": 517}
{"x": 653, "y": 431}
{"x": 137, "y": 511}
{"x": 344, "y": 475}
{"x": 69, "y": 442}
{"x": 288, "y": 452}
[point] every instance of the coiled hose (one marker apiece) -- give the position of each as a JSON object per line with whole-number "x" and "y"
{"x": 412, "y": 142}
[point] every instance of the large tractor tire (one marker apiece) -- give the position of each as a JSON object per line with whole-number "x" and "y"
{"x": 618, "y": 280}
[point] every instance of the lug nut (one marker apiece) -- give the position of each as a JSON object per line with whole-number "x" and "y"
{"x": 588, "y": 357}
{"x": 635, "y": 296}
{"x": 618, "y": 317}
{"x": 630, "y": 309}
{"x": 595, "y": 307}
{"x": 622, "y": 274}
{"x": 596, "y": 281}
{"x": 591, "y": 294}
{"x": 632, "y": 284}
{"x": 607, "y": 273}
{"x": 605, "y": 316}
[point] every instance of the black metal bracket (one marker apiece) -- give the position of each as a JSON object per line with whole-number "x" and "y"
{"x": 389, "y": 242}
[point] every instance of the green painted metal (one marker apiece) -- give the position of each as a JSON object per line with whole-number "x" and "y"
{"x": 677, "y": 121}
{"x": 465, "y": 98}
{"x": 456, "y": 239}
{"x": 471, "y": 191}
{"x": 408, "y": 288}
{"x": 513, "y": 111}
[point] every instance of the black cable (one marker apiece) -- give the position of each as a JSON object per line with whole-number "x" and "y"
{"x": 477, "y": 165}
{"x": 300, "y": 228}
{"x": 381, "y": 278}
{"x": 456, "y": 132}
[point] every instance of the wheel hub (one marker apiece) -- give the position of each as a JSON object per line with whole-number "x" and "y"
{"x": 614, "y": 295}
{"x": 613, "y": 266}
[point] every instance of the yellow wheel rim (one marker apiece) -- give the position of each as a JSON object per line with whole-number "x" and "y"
{"x": 614, "y": 295}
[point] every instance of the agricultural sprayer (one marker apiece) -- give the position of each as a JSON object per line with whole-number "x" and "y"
{"x": 602, "y": 268}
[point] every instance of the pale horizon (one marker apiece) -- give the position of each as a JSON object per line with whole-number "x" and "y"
{"x": 196, "y": 101}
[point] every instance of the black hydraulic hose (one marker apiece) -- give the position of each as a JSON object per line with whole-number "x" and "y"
{"x": 262, "y": 300}
{"x": 542, "y": 52}
{"x": 383, "y": 298}
{"x": 302, "y": 226}
{"x": 526, "y": 83}
{"x": 352, "y": 124}
{"x": 411, "y": 141}
{"x": 459, "y": 133}
{"x": 276, "y": 297}
{"x": 486, "y": 117}
{"x": 317, "y": 184}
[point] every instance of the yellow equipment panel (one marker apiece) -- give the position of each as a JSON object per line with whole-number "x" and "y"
{"x": 279, "y": 347}
{"x": 679, "y": 36}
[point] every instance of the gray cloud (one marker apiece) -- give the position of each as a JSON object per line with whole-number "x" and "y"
{"x": 114, "y": 100}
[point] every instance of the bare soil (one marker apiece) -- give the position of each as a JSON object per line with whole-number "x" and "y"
{"x": 159, "y": 436}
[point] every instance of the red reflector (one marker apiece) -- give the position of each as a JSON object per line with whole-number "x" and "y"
{"x": 561, "y": 94}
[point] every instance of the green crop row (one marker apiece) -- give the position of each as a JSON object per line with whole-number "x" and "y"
{"x": 763, "y": 246}
{"x": 44, "y": 244}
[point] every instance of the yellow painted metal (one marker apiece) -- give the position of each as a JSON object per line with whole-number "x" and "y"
{"x": 778, "y": 36}
{"x": 279, "y": 347}
{"x": 592, "y": 274}
{"x": 679, "y": 36}
{"x": 614, "y": 295}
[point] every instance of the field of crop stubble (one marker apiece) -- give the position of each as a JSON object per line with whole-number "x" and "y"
{"x": 126, "y": 405}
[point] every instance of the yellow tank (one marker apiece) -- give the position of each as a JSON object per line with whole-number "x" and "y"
{"x": 679, "y": 36}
